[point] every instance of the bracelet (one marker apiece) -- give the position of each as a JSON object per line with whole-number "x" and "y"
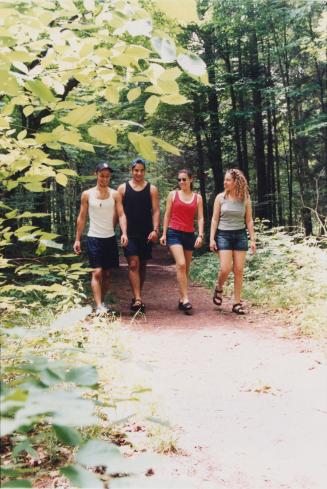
{"x": 156, "y": 231}
{"x": 200, "y": 236}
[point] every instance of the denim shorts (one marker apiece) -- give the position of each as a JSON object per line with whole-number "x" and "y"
{"x": 102, "y": 252}
{"x": 187, "y": 240}
{"x": 232, "y": 240}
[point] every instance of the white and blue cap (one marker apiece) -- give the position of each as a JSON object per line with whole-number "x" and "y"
{"x": 103, "y": 166}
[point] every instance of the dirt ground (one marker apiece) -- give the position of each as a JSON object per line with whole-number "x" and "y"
{"x": 247, "y": 397}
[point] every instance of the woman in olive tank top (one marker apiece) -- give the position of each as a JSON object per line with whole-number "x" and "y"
{"x": 232, "y": 216}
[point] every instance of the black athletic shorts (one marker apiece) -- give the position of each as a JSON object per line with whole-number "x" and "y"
{"x": 140, "y": 247}
{"x": 103, "y": 252}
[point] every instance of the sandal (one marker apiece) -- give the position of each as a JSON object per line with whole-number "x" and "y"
{"x": 217, "y": 298}
{"x": 186, "y": 308}
{"x": 238, "y": 309}
{"x": 137, "y": 306}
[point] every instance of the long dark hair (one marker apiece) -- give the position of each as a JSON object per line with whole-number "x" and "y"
{"x": 188, "y": 173}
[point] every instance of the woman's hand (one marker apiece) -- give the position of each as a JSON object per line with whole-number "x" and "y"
{"x": 198, "y": 242}
{"x": 213, "y": 245}
{"x": 253, "y": 246}
{"x": 163, "y": 240}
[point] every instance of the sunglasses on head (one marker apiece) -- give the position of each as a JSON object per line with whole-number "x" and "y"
{"x": 182, "y": 179}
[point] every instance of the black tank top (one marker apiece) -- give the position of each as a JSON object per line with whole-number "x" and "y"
{"x": 138, "y": 210}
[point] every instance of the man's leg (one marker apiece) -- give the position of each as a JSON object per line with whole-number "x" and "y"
{"x": 134, "y": 276}
{"x": 143, "y": 264}
{"x": 96, "y": 285}
{"x": 104, "y": 284}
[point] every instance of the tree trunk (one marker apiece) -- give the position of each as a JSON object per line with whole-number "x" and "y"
{"x": 215, "y": 147}
{"x": 243, "y": 123}
{"x": 199, "y": 148}
{"x": 262, "y": 208}
{"x": 234, "y": 114}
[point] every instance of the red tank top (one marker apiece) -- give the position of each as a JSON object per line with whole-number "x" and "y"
{"x": 182, "y": 215}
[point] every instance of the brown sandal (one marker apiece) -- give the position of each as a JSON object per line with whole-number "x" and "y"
{"x": 238, "y": 309}
{"x": 217, "y": 298}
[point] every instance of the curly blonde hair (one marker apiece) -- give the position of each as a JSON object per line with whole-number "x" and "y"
{"x": 241, "y": 184}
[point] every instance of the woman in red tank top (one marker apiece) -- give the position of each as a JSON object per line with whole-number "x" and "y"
{"x": 183, "y": 206}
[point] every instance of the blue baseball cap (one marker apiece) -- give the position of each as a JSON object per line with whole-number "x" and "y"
{"x": 138, "y": 160}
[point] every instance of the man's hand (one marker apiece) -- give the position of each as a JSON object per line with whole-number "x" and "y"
{"x": 77, "y": 247}
{"x": 124, "y": 240}
{"x": 153, "y": 236}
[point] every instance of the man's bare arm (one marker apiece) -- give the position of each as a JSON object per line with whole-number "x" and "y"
{"x": 153, "y": 236}
{"x": 81, "y": 221}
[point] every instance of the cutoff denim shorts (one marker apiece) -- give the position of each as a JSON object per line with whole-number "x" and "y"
{"x": 232, "y": 240}
{"x": 187, "y": 240}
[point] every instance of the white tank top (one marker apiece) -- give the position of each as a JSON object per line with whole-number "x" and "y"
{"x": 101, "y": 216}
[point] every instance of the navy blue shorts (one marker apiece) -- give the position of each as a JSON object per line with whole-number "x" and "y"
{"x": 187, "y": 240}
{"x": 140, "y": 247}
{"x": 102, "y": 252}
{"x": 232, "y": 240}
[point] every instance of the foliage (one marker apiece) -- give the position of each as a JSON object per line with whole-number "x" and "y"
{"x": 61, "y": 404}
{"x": 287, "y": 275}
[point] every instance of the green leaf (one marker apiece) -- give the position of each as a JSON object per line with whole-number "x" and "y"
{"x": 46, "y": 119}
{"x": 25, "y": 446}
{"x": 80, "y": 477}
{"x": 192, "y": 64}
{"x": 22, "y": 135}
{"x": 18, "y": 483}
{"x": 151, "y": 104}
{"x": 81, "y": 115}
{"x": 28, "y": 110}
{"x": 83, "y": 375}
{"x": 174, "y": 99}
{"x": 9, "y": 84}
{"x": 61, "y": 179}
{"x": 140, "y": 27}
{"x": 35, "y": 187}
{"x": 165, "y": 47}
{"x": 112, "y": 95}
{"x": 133, "y": 94}
{"x": 143, "y": 145}
{"x": 67, "y": 435}
{"x": 184, "y": 10}
{"x": 166, "y": 146}
{"x": 38, "y": 88}
{"x": 104, "y": 134}
{"x": 99, "y": 452}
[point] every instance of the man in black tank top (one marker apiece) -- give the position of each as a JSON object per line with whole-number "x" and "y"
{"x": 141, "y": 207}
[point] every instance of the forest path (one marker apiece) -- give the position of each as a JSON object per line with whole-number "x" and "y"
{"x": 247, "y": 398}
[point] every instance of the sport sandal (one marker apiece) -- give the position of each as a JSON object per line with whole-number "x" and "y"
{"x": 238, "y": 309}
{"x": 217, "y": 298}
{"x": 137, "y": 306}
{"x": 186, "y": 308}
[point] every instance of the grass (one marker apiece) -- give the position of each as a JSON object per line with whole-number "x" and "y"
{"x": 288, "y": 275}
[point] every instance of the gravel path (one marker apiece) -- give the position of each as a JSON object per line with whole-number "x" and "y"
{"x": 247, "y": 397}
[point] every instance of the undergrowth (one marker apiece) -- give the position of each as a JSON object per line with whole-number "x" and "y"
{"x": 287, "y": 275}
{"x": 72, "y": 399}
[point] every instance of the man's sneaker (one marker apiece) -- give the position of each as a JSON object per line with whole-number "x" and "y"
{"x": 101, "y": 310}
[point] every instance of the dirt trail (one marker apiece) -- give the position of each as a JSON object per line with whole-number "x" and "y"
{"x": 248, "y": 399}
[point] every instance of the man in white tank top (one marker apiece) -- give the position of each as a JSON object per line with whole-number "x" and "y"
{"x": 101, "y": 204}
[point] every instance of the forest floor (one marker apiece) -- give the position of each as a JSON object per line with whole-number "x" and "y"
{"x": 246, "y": 396}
